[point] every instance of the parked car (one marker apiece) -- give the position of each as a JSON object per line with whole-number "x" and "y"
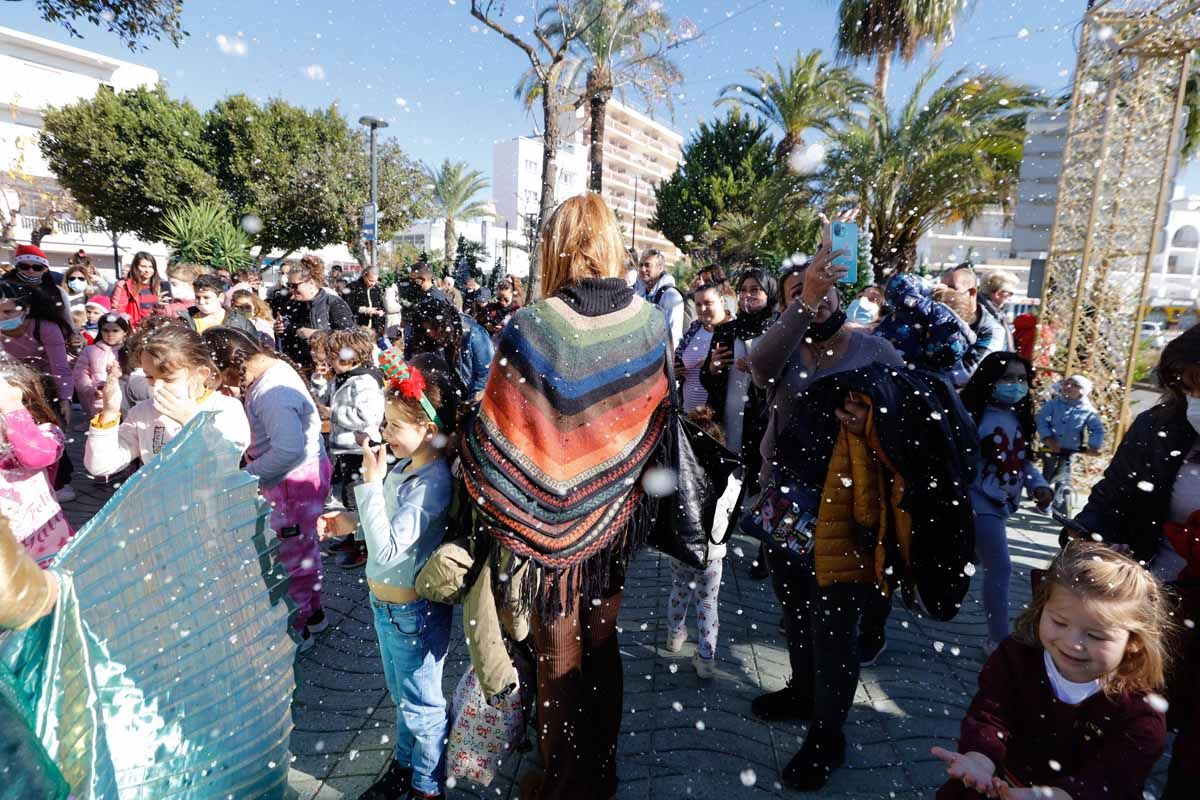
{"x": 1154, "y": 334}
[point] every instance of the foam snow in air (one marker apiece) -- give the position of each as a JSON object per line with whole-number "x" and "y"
{"x": 808, "y": 160}
{"x": 314, "y": 72}
{"x": 749, "y": 778}
{"x": 659, "y": 481}
{"x": 232, "y": 47}
{"x": 251, "y": 224}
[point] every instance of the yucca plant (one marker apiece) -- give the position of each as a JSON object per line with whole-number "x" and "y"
{"x": 204, "y": 233}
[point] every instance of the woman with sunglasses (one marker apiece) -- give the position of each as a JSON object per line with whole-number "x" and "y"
{"x": 31, "y": 270}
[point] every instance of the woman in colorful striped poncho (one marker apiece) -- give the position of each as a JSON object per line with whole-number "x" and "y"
{"x": 572, "y": 414}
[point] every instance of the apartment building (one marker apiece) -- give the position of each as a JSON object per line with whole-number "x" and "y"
{"x": 639, "y": 154}
{"x": 39, "y": 74}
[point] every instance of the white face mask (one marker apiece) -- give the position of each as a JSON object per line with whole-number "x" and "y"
{"x": 1193, "y": 412}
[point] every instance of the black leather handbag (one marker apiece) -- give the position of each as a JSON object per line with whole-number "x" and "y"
{"x": 700, "y": 466}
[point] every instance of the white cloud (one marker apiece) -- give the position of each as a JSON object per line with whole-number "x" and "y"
{"x": 315, "y": 72}
{"x": 231, "y": 47}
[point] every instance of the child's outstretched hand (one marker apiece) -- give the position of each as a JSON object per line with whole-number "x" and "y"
{"x": 336, "y": 524}
{"x": 975, "y": 770}
{"x": 374, "y": 463}
{"x": 110, "y": 395}
{"x": 1006, "y": 792}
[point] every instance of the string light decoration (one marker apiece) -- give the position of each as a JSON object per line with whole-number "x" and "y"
{"x": 1119, "y": 161}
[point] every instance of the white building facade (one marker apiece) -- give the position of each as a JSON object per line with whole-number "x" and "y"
{"x": 430, "y": 235}
{"x": 639, "y": 154}
{"x": 38, "y": 74}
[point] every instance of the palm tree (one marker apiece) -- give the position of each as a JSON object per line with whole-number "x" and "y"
{"x": 619, "y": 48}
{"x": 880, "y": 29}
{"x": 1191, "y": 103}
{"x": 811, "y": 94}
{"x": 938, "y": 157}
{"x": 454, "y": 188}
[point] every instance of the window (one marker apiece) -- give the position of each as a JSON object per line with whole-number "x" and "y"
{"x": 531, "y": 165}
{"x": 1186, "y": 237}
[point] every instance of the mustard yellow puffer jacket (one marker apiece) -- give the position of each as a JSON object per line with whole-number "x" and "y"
{"x": 860, "y": 518}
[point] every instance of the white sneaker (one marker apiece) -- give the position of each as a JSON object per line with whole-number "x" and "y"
{"x": 65, "y": 494}
{"x": 675, "y": 640}
{"x": 705, "y": 667}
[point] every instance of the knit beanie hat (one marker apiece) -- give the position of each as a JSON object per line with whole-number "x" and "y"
{"x": 1084, "y": 383}
{"x": 30, "y": 254}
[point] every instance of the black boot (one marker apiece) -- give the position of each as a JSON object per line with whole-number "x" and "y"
{"x": 819, "y": 756}
{"x": 759, "y": 570}
{"x": 394, "y": 783}
{"x": 785, "y": 704}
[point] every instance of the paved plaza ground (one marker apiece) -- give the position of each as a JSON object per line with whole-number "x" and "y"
{"x": 680, "y": 737}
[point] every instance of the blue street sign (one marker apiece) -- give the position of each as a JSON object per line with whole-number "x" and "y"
{"x": 369, "y": 218}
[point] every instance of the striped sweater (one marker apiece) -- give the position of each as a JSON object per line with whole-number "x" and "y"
{"x": 573, "y": 411}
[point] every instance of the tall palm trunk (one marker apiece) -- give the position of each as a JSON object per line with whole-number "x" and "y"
{"x": 451, "y": 245}
{"x": 550, "y": 138}
{"x": 883, "y": 68}
{"x": 598, "y": 105}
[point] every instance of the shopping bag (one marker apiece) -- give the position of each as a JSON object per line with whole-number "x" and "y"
{"x": 482, "y": 736}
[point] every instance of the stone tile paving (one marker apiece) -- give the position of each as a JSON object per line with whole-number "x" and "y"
{"x": 680, "y": 737}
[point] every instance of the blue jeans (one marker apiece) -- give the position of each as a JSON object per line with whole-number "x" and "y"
{"x": 413, "y": 640}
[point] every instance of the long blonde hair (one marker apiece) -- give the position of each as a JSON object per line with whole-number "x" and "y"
{"x": 1122, "y": 592}
{"x": 581, "y": 240}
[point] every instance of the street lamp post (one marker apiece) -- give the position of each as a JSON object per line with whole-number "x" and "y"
{"x": 374, "y": 123}
{"x": 633, "y": 235}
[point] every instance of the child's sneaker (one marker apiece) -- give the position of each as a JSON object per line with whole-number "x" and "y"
{"x": 705, "y": 667}
{"x": 344, "y": 544}
{"x": 352, "y": 559}
{"x": 307, "y": 640}
{"x": 318, "y": 622}
{"x": 675, "y": 640}
{"x": 394, "y": 783}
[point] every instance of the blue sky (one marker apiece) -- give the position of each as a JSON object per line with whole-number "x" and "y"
{"x": 445, "y": 82}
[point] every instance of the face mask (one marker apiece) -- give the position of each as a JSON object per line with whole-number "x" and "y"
{"x": 29, "y": 277}
{"x": 183, "y": 291}
{"x": 1193, "y": 412}
{"x": 12, "y": 324}
{"x": 1010, "y": 393}
{"x": 76, "y": 285}
{"x": 820, "y": 331}
{"x": 862, "y": 311}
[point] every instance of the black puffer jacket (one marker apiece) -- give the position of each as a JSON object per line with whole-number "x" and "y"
{"x": 929, "y": 437}
{"x": 1132, "y": 501}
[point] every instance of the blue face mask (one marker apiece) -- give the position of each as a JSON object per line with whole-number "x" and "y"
{"x": 12, "y": 324}
{"x": 1010, "y": 393}
{"x": 76, "y": 285}
{"x": 862, "y": 312}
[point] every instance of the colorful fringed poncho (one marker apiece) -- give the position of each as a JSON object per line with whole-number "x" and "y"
{"x": 573, "y": 411}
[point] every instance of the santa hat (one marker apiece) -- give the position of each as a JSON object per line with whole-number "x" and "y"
{"x": 99, "y": 301}
{"x": 29, "y": 254}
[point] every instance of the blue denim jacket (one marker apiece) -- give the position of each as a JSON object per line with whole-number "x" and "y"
{"x": 403, "y": 520}
{"x": 474, "y": 357}
{"x": 1066, "y": 422}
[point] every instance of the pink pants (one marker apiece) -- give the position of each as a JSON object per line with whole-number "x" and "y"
{"x": 296, "y": 502}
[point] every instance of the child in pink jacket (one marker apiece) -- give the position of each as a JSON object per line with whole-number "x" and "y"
{"x": 31, "y": 443}
{"x": 91, "y": 368}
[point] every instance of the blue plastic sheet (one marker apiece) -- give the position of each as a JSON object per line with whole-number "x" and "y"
{"x": 166, "y": 669}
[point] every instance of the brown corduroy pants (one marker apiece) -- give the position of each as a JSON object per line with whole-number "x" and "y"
{"x": 579, "y": 696}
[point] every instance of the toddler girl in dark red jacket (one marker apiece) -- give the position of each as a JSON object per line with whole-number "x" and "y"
{"x": 1066, "y": 706}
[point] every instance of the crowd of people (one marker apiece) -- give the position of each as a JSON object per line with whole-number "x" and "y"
{"x": 882, "y": 444}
